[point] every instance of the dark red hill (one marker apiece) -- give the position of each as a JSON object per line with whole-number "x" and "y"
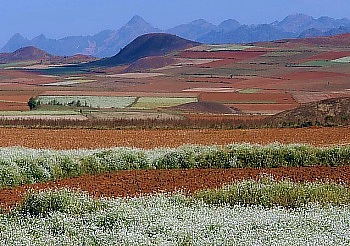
{"x": 29, "y": 53}
{"x": 155, "y": 44}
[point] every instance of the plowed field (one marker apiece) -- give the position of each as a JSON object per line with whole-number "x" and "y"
{"x": 92, "y": 139}
{"x": 132, "y": 183}
{"x": 229, "y": 97}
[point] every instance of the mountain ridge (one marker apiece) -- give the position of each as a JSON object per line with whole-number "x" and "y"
{"x": 107, "y": 43}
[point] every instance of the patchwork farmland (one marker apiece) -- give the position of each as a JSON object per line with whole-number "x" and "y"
{"x": 148, "y": 153}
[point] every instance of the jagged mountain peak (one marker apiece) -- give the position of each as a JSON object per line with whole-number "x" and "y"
{"x": 16, "y": 41}
{"x": 137, "y": 21}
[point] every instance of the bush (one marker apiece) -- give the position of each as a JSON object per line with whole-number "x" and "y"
{"x": 269, "y": 192}
{"x": 43, "y": 203}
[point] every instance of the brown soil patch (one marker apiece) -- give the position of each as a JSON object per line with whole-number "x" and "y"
{"x": 220, "y": 117}
{"x": 303, "y": 97}
{"x": 205, "y": 107}
{"x": 24, "y": 77}
{"x": 147, "y": 63}
{"x": 148, "y": 139}
{"x": 229, "y": 97}
{"x": 16, "y": 98}
{"x": 13, "y": 106}
{"x": 331, "y": 55}
{"x": 307, "y": 75}
{"x": 221, "y": 80}
{"x": 137, "y": 182}
{"x": 263, "y": 108}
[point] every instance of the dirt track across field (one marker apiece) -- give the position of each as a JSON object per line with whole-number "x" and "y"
{"x": 137, "y": 182}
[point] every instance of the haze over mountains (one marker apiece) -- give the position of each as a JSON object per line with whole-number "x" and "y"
{"x": 107, "y": 43}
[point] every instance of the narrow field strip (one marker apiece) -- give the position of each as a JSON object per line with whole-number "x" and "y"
{"x": 67, "y": 217}
{"x": 19, "y": 166}
{"x": 148, "y": 139}
{"x": 130, "y": 183}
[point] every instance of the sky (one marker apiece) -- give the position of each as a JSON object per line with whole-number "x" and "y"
{"x": 61, "y": 18}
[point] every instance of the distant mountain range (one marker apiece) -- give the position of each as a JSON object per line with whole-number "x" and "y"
{"x": 107, "y": 43}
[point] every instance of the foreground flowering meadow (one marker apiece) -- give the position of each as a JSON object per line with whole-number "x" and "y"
{"x": 165, "y": 219}
{"x": 249, "y": 212}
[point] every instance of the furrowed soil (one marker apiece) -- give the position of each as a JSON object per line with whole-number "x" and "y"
{"x": 149, "y": 139}
{"x": 138, "y": 182}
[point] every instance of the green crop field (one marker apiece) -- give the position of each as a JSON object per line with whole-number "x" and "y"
{"x": 228, "y": 47}
{"x": 89, "y": 101}
{"x": 343, "y": 60}
{"x": 317, "y": 64}
{"x": 71, "y": 82}
{"x": 249, "y": 91}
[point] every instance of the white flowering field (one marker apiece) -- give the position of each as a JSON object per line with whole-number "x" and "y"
{"x": 173, "y": 220}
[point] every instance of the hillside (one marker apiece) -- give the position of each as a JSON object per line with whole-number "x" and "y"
{"x": 156, "y": 44}
{"x": 25, "y": 54}
{"x": 148, "y": 63}
{"x": 31, "y": 53}
{"x": 334, "y": 111}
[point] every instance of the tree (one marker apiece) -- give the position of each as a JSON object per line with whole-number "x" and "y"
{"x": 33, "y": 103}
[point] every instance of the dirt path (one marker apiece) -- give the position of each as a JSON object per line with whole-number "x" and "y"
{"x": 132, "y": 183}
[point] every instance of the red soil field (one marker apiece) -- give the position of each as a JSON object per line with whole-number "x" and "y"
{"x": 13, "y": 106}
{"x": 138, "y": 182}
{"x": 331, "y": 55}
{"x": 149, "y": 139}
{"x": 15, "y": 98}
{"x": 235, "y": 55}
{"x": 229, "y": 97}
{"x": 247, "y": 82}
{"x": 118, "y": 94}
{"x": 302, "y": 97}
{"x": 147, "y": 63}
{"x": 307, "y": 75}
{"x": 222, "y": 80}
{"x": 24, "y": 77}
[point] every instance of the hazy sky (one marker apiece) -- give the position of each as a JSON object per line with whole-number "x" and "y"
{"x": 60, "y": 18}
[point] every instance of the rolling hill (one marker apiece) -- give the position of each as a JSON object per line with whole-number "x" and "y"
{"x": 156, "y": 44}
{"x": 334, "y": 111}
{"x": 29, "y": 53}
{"x": 32, "y": 53}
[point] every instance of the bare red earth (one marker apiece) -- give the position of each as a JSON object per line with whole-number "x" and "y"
{"x": 306, "y": 75}
{"x": 228, "y": 97}
{"x": 331, "y": 55}
{"x": 138, "y": 182}
{"x": 13, "y": 106}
